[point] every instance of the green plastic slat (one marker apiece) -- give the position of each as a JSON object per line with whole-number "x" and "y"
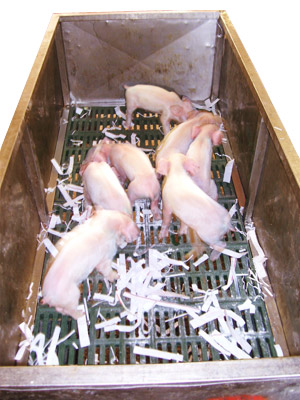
{"x": 160, "y": 330}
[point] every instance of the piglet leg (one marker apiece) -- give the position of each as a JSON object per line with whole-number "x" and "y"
{"x": 183, "y": 228}
{"x": 69, "y": 306}
{"x": 217, "y": 250}
{"x": 155, "y": 209}
{"x": 165, "y": 121}
{"x": 166, "y": 221}
{"x": 106, "y": 270}
{"x": 130, "y": 107}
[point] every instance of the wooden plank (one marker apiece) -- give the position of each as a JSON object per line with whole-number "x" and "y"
{"x": 257, "y": 166}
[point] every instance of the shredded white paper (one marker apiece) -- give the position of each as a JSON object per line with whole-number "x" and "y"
{"x": 201, "y": 260}
{"x": 279, "y": 351}
{"x": 228, "y": 171}
{"x": 54, "y": 220}
{"x": 134, "y": 140}
{"x": 30, "y": 291}
{"x": 119, "y": 113}
{"x": 104, "y": 324}
{"x": 247, "y": 305}
{"x": 157, "y": 353}
{"x": 231, "y": 274}
{"x": 52, "y": 358}
{"x": 63, "y": 171}
{"x": 209, "y": 106}
{"x": 45, "y": 354}
{"x": 260, "y": 258}
{"x": 50, "y": 247}
{"x": 84, "y": 339}
{"x": 113, "y": 136}
{"x": 229, "y": 346}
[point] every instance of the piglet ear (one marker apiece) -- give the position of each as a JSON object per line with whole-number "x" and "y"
{"x": 185, "y": 98}
{"x": 187, "y": 104}
{"x": 217, "y": 137}
{"x": 195, "y": 131}
{"x": 163, "y": 167}
{"x": 190, "y": 166}
{"x": 100, "y": 156}
{"x": 177, "y": 110}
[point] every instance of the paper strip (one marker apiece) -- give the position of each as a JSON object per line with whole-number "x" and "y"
{"x": 231, "y": 273}
{"x": 201, "y": 260}
{"x": 108, "y": 322}
{"x": 77, "y": 142}
{"x": 211, "y": 298}
{"x": 104, "y": 297}
{"x": 123, "y": 328}
{"x": 113, "y": 135}
{"x": 74, "y": 188}
{"x": 229, "y": 346}
{"x": 234, "y": 254}
{"x": 228, "y": 171}
{"x": 260, "y": 258}
{"x": 86, "y": 310}
{"x": 207, "y": 317}
{"x": 163, "y": 303}
{"x": 278, "y": 350}
{"x": 119, "y": 112}
{"x": 212, "y": 342}
{"x": 26, "y": 331}
{"x": 157, "y": 353}
{"x": 57, "y": 167}
{"x": 56, "y": 233}
{"x": 52, "y": 358}
{"x": 84, "y": 339}
{"x": 50, "y": 247}
{"x": 21, "y": 351}
{"x": 71, "y": 165}
{"x": 37, "y": 346}
{"x": 134, "y": 139}
{"x": 55, "y": 220}
{"x": 239, "y": 320}
{"x": 239, "y": 338}
{"x": 153, "y": 253}
{"x": 66, "y": 337}
{"x": 247, "y": 305}
{"x": 67, "y": 197}
{"x": 251, "y": 236}
{"x": 30, "y": 291}
{"x": 233, "y": 209}
{"x": 78, "y": 110}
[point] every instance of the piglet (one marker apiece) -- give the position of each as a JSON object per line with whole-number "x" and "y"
{"x": 199, "y": 156}
{"x": 89, "y": 246}
{"x": 179, "y": 138}
{"x": 102, "y": 188}
{"x": 133, "y": 164}
{"x": 191, "y": 204}
{"x": 159, "y": 100}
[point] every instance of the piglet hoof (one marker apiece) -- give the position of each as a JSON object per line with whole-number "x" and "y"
{"x": 157, "y": 215}
{"x": 127, "y": 125}
{"x": 183, "y": 230}
{"x": 163, "y": 233}
{"x": 214, "y": 255}
{"x": 112, "y": 276}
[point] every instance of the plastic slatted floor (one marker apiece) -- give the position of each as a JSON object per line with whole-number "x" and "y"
{"x": 159, "y": 330}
